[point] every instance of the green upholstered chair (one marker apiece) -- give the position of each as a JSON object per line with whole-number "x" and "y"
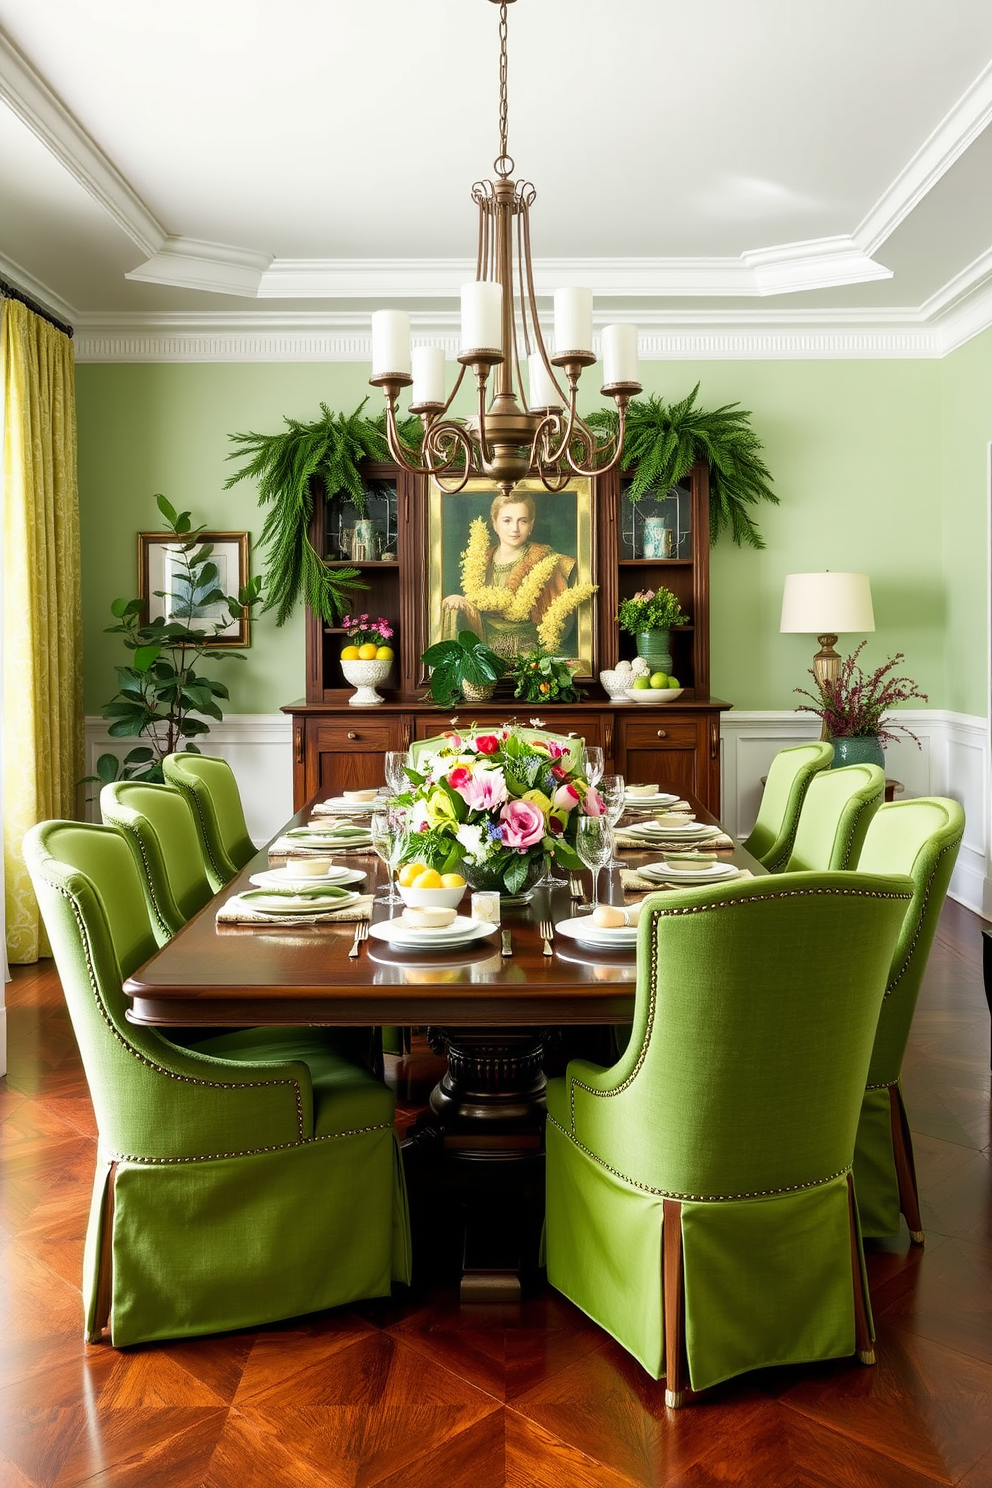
{"x": 834, "y": 818}
{"x": 212, "y": 791}
{"x": 158, "y": 824}
{"x": 921, "y": 838}
{"x": 235, "y": 1186}
{"x": 699, "y": 1199}
{"x": 785, "y": 790}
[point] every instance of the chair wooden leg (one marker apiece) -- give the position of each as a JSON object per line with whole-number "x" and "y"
{"x": 902, "y": 1148}
{"x": 863, "y": 1341}
{"x": 673, "y": 1280}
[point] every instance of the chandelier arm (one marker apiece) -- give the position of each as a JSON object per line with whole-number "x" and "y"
{"x": 531, "y": 297}
{"x": 544, "y": 435}
{"x": 436, "y": 436}
{"x": 612, "y": 447}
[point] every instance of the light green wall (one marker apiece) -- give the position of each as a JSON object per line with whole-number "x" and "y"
{"x": 967, "y": 431}
{"x": 860, "y": 452}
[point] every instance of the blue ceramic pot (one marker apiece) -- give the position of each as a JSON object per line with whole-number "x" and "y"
{"x": 863, "y": 750}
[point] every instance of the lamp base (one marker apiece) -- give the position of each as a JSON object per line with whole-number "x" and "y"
{"x": 826, "y": 667}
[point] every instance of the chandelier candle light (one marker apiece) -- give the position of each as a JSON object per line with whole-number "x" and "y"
{"x": 512, "y": 438}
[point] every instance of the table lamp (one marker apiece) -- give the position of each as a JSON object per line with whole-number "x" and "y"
{"x": 826, "y": 605}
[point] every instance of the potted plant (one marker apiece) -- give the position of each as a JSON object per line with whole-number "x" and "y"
{"x": 366, "y": 659}
{"x": 649, "y": 616}
{"x": 160, "y": 694}
{"x": 852, "y": 708}
{"x": 496, "y": 807}
{"x": 540, "y": 677}
{"x": 462, "y": 668}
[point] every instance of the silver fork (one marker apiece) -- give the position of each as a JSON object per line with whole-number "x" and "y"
{"x": 547, "y": 932}
{"x": 361, "y": 933}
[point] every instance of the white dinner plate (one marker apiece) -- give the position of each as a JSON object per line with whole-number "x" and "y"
{"x": 690, "y": 873}
{"x": 296, "y": 905}
{"x": 462, "y": 931}
{"x": 647, "y": 830}
{"x": 338, "y": 807}
{"x": 605, "y": 937}
{"x": 649, "y": 803}
{"x": 285, "y": 878}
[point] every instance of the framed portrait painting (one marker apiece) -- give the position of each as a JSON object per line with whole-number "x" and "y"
{"x": 517, "y": 570}
{"x": 165, "y": 587}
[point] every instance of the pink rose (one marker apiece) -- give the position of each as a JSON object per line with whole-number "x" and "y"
{"x": 523, "y": 824}
{"x": 565, "y": 798}
{"x": 487, "y": 743}
{"x": 594, "y": 804}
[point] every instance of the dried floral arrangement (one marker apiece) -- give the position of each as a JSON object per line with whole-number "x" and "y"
{"x": 854, "y": 704}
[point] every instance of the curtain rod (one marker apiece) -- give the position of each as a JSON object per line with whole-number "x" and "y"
{"x": 11, "y": 292}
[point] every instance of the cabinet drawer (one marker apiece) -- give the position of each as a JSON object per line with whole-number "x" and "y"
{"x": 354, "y": 738}
{"x": 660, "y": 733}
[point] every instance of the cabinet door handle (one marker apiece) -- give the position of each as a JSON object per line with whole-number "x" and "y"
{"x": 714, "y": 740}
{"x": 352, "y": 734}
{"x": 662, "y": 733}
{"x": 299, "y": 746}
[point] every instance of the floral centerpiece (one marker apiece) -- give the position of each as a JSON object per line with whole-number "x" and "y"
{"x": 496, "y": 807}
{"x": 540, "y": 677}
{"x": 361, "y": 631}
{"x": 852, "y": 706}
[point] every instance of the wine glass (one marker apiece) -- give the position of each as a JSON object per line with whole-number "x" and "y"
{"x": 386, "y": 830}
{"x": 396, "y": 776}
{"x": 592, "y": 763}
{"x": 594, "y": 845}
{"x": 612, "y": 788}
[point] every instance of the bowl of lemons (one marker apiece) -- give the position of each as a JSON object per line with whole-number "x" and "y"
{"x": 658, "y": 688}
{"x": 424, "y": 888}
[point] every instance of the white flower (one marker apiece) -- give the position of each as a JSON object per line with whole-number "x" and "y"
{"x": 474, "y": 839}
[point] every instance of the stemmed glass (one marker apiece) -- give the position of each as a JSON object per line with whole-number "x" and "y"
{"x": 592, "y": 763}
{"x": 594, "y": 845}
{"x": 396, "y": 776}
{"x": 612, "y": 788}
{"x": 387, "y": 834}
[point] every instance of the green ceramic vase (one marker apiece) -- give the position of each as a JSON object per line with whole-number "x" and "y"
{"x": 653, "y": 646}
{"x": 866, "y": 749}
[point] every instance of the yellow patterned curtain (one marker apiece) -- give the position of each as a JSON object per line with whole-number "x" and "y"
{"x": 42, "y": 625}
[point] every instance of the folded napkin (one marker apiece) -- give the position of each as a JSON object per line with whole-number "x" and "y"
{"x": 716, "y": 840}
{"x": 238, "y": 911}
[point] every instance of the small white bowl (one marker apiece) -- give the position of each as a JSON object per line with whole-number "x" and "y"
{"x": 432, "y": 898}
{"x": 654, "y": 694}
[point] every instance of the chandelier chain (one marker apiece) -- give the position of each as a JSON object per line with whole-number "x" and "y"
{"x": 504, "y": 163}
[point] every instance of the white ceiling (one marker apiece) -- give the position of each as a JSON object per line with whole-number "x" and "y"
{"x": 714, "y": 169}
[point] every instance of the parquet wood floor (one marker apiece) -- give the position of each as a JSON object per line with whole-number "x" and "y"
{"x": 416, "y": 1392}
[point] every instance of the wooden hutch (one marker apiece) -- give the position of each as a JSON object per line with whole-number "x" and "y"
{"x": 337, "y": 746}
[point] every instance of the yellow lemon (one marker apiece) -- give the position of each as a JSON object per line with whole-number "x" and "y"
{"x": 384, "y": 653}
{"x": 409, "y": 872}
{"x": 429, "y": 879}
{"x": 350, "y": 653}
{"x": 452, "y": 881}
{"x": 367, "y": 652}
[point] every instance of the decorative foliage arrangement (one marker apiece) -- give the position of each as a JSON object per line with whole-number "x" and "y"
{"x": 497, "y": 802}
{"x": 853, "y": 705}
{"x": 650, "y": 609}
{"x": 362, "y": 630}
{"x": 543, "y": 678}
{"x": 160, "y": 694}
{"x": 465, "y": 659}
{"x": 662, "y": 443}
{"x": 516, "y": 604}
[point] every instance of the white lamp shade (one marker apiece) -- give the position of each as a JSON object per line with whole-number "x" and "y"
{"x": 827, "y": 603}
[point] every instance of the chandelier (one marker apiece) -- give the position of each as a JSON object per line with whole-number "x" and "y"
{"x": 509, "y": 437}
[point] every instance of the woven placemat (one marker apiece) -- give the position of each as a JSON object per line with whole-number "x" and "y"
{"x": 237, "y": 912}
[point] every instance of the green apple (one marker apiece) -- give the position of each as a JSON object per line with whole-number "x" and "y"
{"x": 659, "y": 679}
{"x": 640, "y": 682}
{"x": 674, "y": 682}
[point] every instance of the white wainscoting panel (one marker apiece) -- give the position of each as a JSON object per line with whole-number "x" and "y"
{"x": 257, "y": 746}
{"x": 952, "y": 760}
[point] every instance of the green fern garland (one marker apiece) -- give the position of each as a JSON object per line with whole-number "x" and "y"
{"x": 661, "y": 443}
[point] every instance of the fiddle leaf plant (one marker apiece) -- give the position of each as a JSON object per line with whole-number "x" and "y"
{"x": 464, "y": 659}
{"x": 161, "y": 695}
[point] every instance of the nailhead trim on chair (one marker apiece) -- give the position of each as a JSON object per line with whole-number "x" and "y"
{"x": 131, "y": 831}
{"x": 157, "y": 1068}
{"x": 877, "y": 797}
{"x": 167, "y": 1162}
{"x": 685, "y": 909}
{"x": 194, "y": 801}
{"x": 919, "y": 925}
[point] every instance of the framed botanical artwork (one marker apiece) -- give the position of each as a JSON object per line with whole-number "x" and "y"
{"x": 517, "y": 570}
{"x": 167, "y": 587}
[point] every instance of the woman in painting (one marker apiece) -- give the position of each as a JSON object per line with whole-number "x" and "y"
{"x": 515, "y": 593}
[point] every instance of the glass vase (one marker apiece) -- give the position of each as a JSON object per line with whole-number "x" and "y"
{"x": 485, "y": 876}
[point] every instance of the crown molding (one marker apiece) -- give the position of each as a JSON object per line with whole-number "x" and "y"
{"x": 47, "y": 117}
{"x": 187, "y": 263}
{"x": 11, "y": 270}
{"x": 958, "y": 129}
